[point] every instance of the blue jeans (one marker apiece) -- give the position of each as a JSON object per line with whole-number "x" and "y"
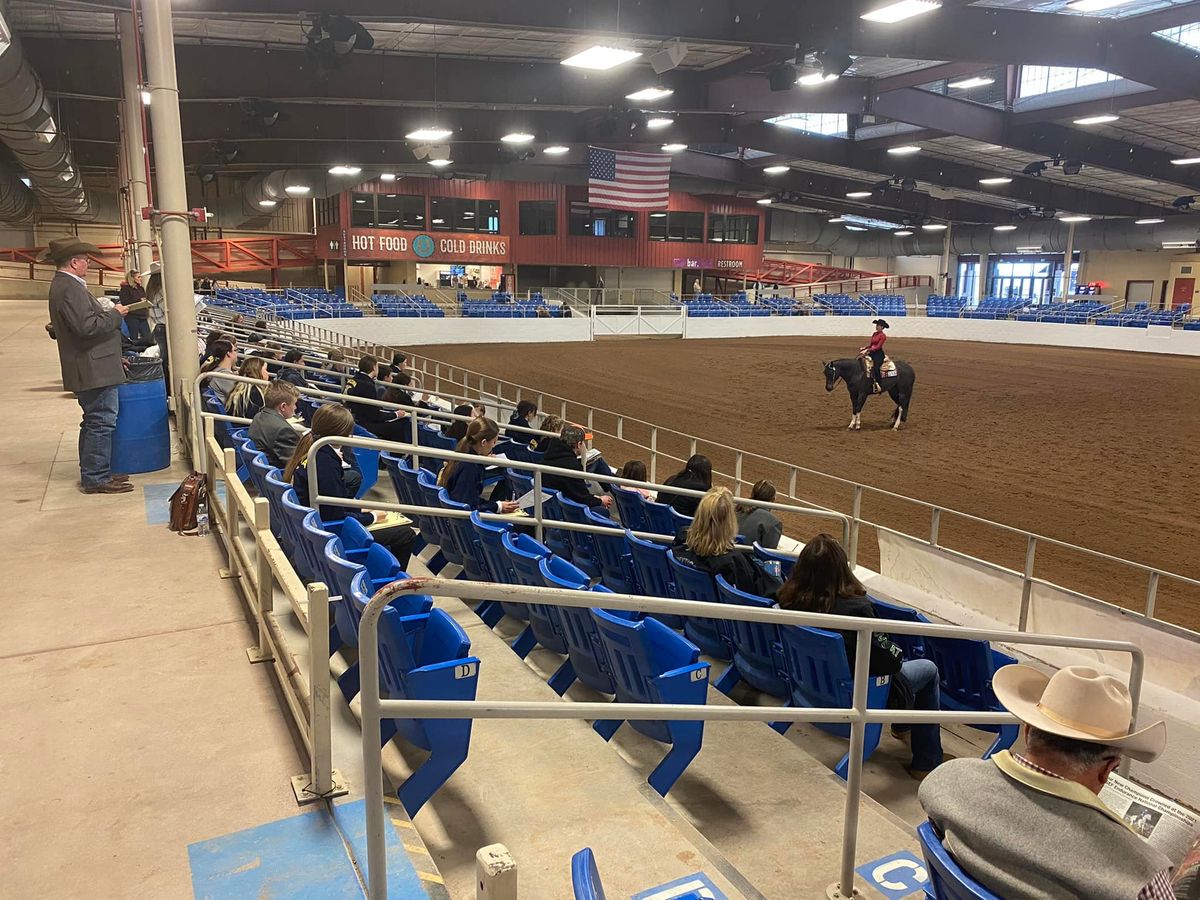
{"x": 96, "y": 434}
{"x": 139, "y": 330}
{"x": 922, "y": 677}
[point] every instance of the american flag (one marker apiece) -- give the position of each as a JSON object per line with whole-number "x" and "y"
{"x": 624, "y": 179}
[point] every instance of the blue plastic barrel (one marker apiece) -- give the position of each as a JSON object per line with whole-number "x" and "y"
{"x": 142, "y": 441}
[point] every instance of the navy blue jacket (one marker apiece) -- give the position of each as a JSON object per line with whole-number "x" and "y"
{"x": 519, "y": 437}
{"x": 466, "y": 486}
{"x": 331, "y": 482}
{"x": 363, "y": 385}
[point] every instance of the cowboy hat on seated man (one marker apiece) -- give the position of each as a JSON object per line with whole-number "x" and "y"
{"x": 89, "y": 352}
{"x": 1030, "y": 824}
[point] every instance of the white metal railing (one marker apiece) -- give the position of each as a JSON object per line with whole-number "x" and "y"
{"x": 375, "y": 708}
{"x": 507, "y": 394}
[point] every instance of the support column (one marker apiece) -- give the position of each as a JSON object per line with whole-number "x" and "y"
{"x": 946, "y": 277}
{"x": 136, "y": 162}
{"x": 1066, "y": 277}
{"x": 171, "y": 193}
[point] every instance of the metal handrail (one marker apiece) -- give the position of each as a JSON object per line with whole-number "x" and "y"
{"x": 374, "y": 707}
{"x": 1033, "y": 539}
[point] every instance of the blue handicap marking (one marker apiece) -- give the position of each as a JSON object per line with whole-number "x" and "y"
{"x": 697, "y": 886}
{"x": 897, "y": 875}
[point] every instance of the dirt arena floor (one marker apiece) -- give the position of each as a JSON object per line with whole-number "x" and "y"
{"x": 1097, "y": 448}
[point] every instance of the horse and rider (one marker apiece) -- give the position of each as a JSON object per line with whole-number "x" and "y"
{"x": 873, "y": 373}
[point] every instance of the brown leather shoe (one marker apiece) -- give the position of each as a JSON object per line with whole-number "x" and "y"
{"x": 109, "y": 487}
{"x": 120, "y": 479}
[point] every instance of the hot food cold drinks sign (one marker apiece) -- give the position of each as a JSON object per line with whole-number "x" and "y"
{"x": 361, "y": 243}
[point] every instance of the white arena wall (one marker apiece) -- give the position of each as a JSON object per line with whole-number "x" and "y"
{"x": 415, "y": 332}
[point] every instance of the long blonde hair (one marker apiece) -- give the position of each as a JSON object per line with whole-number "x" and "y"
{"x": 478, "y": 431}
{"x": 714, "y": 529}
{"x": 330, "y": 420}
{"x": 242, "y": 393}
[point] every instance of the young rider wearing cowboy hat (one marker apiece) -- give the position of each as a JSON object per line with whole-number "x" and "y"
{"x": 1030, "y": 824}
{"x": 874, "y": 349}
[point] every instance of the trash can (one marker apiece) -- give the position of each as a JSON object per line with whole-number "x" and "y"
{"x": 142, "y": 441}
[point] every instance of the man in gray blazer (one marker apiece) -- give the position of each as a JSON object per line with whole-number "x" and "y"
{"x": 89, "y": 351}
{"x": 270, "y": 430}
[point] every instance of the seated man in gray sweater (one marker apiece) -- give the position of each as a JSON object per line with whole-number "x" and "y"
{"x": 1031, "y": 825}
{"x": 270, "y": 429}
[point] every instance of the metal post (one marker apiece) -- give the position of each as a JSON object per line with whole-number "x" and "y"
{"x": 855, "y": 523}
{"x": 416, "y": 457}
{"x": 946, "y": 260}
{"x": 1151, "y": 595}
{"x": 935, "y": 524}
{"x": 692, "y": 447}
{"x": 858, "y": 733}
{"x": 135, "y": 142}
{"x": 737, "y": 474}
{"x": 1027, "y": 582}
{"x": 792, "y": 484}
{"x": 265, "y": 600}
{"x": 537, "y": 503}
{"x": 368, "y": 663}
{"x": 321, "y": 781}
{"x": 172, "y": 191}
{"x": 563, "y": 415}
{"x": 653, "y": 454}
{"x": 1066, "y": 278}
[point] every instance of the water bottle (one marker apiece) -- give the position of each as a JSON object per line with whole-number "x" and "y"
{"x": 775, "y": 567}
{"x": 202, "y": 518}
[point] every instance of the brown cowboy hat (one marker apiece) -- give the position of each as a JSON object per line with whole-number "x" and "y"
{"x": 1078, "y": 702}
{"x": 64, "y": 248}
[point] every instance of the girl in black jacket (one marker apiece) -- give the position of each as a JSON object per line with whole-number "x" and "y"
{"x": 708, "y": 545}
{"x": 696, "y": 475}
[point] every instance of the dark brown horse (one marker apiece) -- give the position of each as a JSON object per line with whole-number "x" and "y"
{"x": 899, "y": 386}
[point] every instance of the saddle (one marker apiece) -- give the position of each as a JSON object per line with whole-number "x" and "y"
{"x": 888, "y": 368}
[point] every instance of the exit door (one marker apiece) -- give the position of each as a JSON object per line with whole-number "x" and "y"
{"x": 1183, "y": 291}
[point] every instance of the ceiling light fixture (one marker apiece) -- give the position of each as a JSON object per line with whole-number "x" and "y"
{"x": 1094, "y": 5}
{"x": 440, "y": 163}
{"x": 902, "y": 233}
{"x": 999, "y": 179}
{"x": 1149, "y": 221}
{"x": 432, "y": 133}
{"x": 360, "y": 200}
{"x": 658, "y": 215}
{"x": 1035, "y": 249}
{"x": 934, "y": 226}
{"x": 344, "y": 170}
{"x": 658, "y": 122}
{"x": 858, "y": 195}
{"x": 967, "y": 83}
{"x": 905, "y": 150}
{"x": 901, "y": 10}
{"x": 855, "y": 228}
{"x": 673, "y": 148}
{"x": 811, "y": 76}
{"x": 1101, "y": 119}
{"x": 517, "y": 137}
{"x": 764, "y": 201}
{"x": 1005, "y": 228}
{"x": 650, "y": 93}
{"x": 835, "y": 220}
{"x": 297, "y": 189}
{"x": 1179, "y": 245}
{"x": 600, "y": 57}
{"x": 776, "y": 170}
{"x": 439, "y": 221}
{"x": 1186, "y": 161}
{"x": 268, "y": 204}
{"x": 1075, "y": 219}
{"x": 556, "y": 150}
{"x": 387, "y": 176}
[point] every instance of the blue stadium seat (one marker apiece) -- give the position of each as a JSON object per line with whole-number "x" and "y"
{"x": 585, "y": 880}
{"x": 914, "y": 645}
{"x": 425, "y": 657}
{"x": 710, "y": 635}
{"x": 280, "y": 524}
{"x": 660, "y": 518}
{"x": 612, "y": 553}
{"x": 439, "y": 529}
{"x": 583, "y": 552}
{"x": 368, "y": 461}
{"x": 819, "y": 675}
{"x": 652, "y": 664}
{"x": 946, "y": 880}
{"x": 965, "y": 668}
{"x": 521, "y": 482}
{"x": 629, "y": 507}
{"x": 585, "y": 655}
{"x": 653, "y": 574}
{"x": 786, "y": 561}
{"x": 757, "y": 653}
{"x": 259, "y": 467}
{"x": 462, "y": 538}
{"x": 556, "y": 538}
{"x": 524, "y": 554}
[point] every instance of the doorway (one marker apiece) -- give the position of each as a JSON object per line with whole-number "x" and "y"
{"x": 1183, "y": 291}
{"x": 1139, "y": 292}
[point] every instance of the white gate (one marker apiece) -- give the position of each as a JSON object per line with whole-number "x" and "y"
{"x": 637, "y": 321}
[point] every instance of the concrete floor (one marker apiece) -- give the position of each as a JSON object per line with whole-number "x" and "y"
{"x": 133, "y": 724}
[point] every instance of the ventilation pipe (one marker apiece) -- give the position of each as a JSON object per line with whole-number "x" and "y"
{"x": 1051, "y": 236}
{"x": 261, "y": 195}
{"x": 31, "y": 133}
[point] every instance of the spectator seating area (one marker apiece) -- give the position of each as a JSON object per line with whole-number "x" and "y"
{"x": 504, "y": 306}
{"x": 939, "y": 307}
{"x": 995, "y": 308}
{"x": 789, "y": 306}
{"x": 1072, "y": 313}
{"x": 406, "y": 306}
{"x": 1140, "y": 315}
{"x": 708, "y": 306}
{"x": 293, "y": 303}
{"x": 866, "y": 305}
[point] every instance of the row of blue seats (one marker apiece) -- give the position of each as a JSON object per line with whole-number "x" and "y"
{"x": 940, "y": 307}
{"x": 887, "y": 304}
{"x": 724, "y": 310}
{"x": 845, "y": 305}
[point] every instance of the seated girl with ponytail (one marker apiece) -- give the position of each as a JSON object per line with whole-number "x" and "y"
{"x": 220, "y": 355}
{"x": 246, "y": 400}
{"x": 463, "y": 481}
{"x": 334, "y": 465}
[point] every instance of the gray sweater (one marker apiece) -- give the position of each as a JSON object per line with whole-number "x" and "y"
{"x": 1026, "y": 835}
{"x": 760, "y": 525}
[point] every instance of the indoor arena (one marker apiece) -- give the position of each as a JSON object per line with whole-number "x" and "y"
{"x": 662, "y": 451}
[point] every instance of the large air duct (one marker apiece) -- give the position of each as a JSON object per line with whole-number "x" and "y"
{"x": 28, "y": 127}
{"x": 1050, "y": 236}
{"x": 261, "y": 195}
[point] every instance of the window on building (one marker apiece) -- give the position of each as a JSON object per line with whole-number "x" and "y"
{"x": 327, "y": 210}
{"x": 458, "y": 214}
{"x": 587, "y": 221}
{"x": 538, "y": 216}
{"x": 1188, "y": 35}
{"x": 967, "y": 282}
{"x": 677, "y": 226}
{"x": 362, "y": 210}
{"x": 1037, "y": 80}
{"x": 387, "y": 211}
{"x": 813, "y": 123}
{"x": 733, "y": 229}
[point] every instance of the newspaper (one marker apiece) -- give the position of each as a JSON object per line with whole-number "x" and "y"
{"x": 1168, "y": 827}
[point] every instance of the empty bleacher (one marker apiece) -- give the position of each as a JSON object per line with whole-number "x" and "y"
{"x": 995, "y": 308}
{"x": 1140, "y": 315}
{"x": 503, "y": 305}
{"x": 939, "y": 307}
{"x": 406, "y": 306}
{"x": 865, "y": 305}
{"x": 1078, "y": 312}
{"x": 293, "y": 303}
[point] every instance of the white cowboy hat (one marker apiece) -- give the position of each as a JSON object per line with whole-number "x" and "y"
{"x": 1078, "y": 702}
